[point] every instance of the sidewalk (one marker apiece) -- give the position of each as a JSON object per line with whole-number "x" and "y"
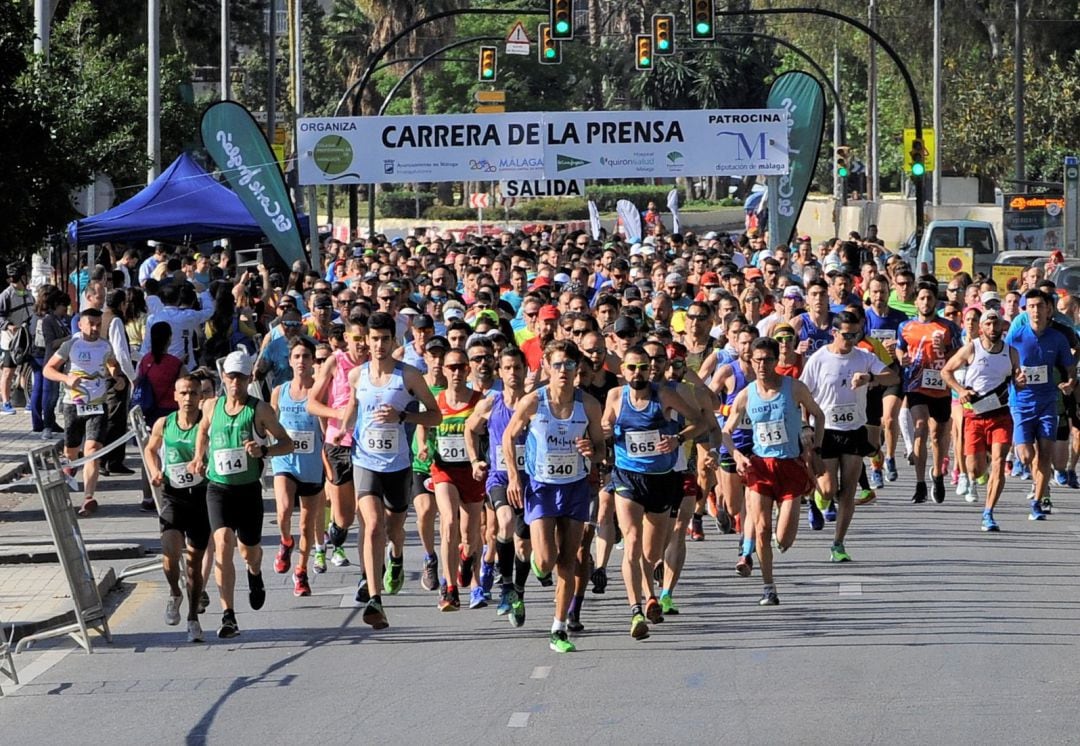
{"x": 16, "y": 442}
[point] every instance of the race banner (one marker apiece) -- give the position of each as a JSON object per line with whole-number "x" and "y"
{"x": 541, "y": 146}
{"x": 802, "y": 97}
{"x": 240, "y": 149}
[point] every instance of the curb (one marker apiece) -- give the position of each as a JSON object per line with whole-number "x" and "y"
{"x": 46, "y": 553}
{"x": 20, "y": 630}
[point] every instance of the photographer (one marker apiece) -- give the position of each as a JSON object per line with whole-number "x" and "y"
{"x": 16, "y": 306}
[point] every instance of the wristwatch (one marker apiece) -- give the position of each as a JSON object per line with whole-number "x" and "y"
{"x": 680, "y": 437}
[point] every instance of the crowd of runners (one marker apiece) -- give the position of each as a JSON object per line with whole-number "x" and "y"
{"x": 539, "y": 400}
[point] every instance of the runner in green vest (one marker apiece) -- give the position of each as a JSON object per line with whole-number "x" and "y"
{"x": 234, "y": 430}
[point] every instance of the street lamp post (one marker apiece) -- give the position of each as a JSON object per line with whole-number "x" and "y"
{"x": 153, "y": 89}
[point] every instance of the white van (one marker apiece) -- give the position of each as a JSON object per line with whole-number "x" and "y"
{"x": 957, "y": 234}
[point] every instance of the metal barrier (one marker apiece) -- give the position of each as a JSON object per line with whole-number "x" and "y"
{"x": 7, "y": 663}
{"x": 142, "y": 435}
{"x": 47, "y": 470}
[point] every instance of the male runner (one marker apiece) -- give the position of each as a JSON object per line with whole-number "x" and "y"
{"x": 776, "y": 472}
{"x": 422, "y": 489}
{"x": 813, "y": 327}
{"x": 563, "y": 435}
{"x": 169, "y": 450}
{"x": 233, "y": 432}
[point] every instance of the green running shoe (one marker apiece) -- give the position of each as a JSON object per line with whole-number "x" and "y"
{"x": 338, "y": 558}
{"x": 394, "y": 577}
{"x": 320, "y": 560}
{"x": 667, "y": 604}
{"x": 639, "y": 628}
{"x": 517, "y": 610}
{"x": 560, "y": 643}
{"x": 837, "y": 554}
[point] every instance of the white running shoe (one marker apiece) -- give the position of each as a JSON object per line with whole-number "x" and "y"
{"x": 962, "y": 485}
{"x": 172, "y": 610}
{"x": 972, "y": 494}
{"x": 194, "y": 631}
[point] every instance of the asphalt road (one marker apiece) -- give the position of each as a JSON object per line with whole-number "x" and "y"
{"x": 936, "y": 633}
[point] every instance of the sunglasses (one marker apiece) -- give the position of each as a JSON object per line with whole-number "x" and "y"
{"x": 697, "y": 316}
{"x": 355, "y": 337}
{"x": 568, "y": 365}
{"x": 455, "y": 367}
{"x": 658, "y": 359}
{"x": 595, "y": 351}
{"x": 678, "y": 364}
{"x": 531, "y": 315}
{"x": 953, "y": 290}
{"x": 579, "y": 332}
{"x": 290, "y": 324}
{"x": 481, "y": 358}
{"x": 785, "y": 338}
{"x": 636, "y": 367}
{"x": 762, "y": 360}
{"x": 386, "y": 298}
{"x": 710, "y": 286}
{"x": 321, "y": 360}
{"x": 849, "y": 336}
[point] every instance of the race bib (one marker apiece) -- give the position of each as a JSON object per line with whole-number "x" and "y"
{"x": 642, "y": 442}
{"x": 519, "y": 458}
{"x": 883, "y": 334}
{"x": 381, "y": 439}
{"x": 181, "y": 478}
{"x": 771, "y": 433}
{"x": 840, "y": 415}
{"x": 987, "y": 404}
{"x": 87, "y": 410}
{"x": 560, "y": 466}
{"x": 1035, "y": 374}
{"x": 931, "y": 379}
{"x": 230, "y": 461}
{"x": 303, "y": 441}
{"x": 452, "y": 447}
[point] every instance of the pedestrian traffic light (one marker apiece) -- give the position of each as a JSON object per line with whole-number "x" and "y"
{"x": 843, "y": 157}
{"x": 702, "y": 20}
{"x": 550, "y": 49}
{"x": 562, "y": 19}
{"x": 918, "y": 156}
{"x": 663, "y": 32}
{"x": 644, "y": 52}
{"x": 488, "y": 65}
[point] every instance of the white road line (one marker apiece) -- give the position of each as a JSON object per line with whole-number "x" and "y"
{"x": 850, "y": 589}
{"x": 540, "y": 672}
{"x": 42, "y": 664}
{"x": 518, "y": 720}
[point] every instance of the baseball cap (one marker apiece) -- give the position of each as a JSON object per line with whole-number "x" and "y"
{"x": 673, "y": 278}
{"x": 794, "y": 291}
{"x": 562, "y": 278}
{"x": 237, "y": 362}
{"x": 370, "y": 277}
{"x": 805, "y": 238}
{"x": 437, "y": 344}
{"x": 549, "y": 313}
{"x": 625, "y": 325}
{"x": 542, "y": 282}
{"x": 423, "y": 321}
{"x": 753, "y": 273}
{"x": 453, "y": 314}
{"x": 709, "y": 278}
{"x": 990, "y": 297}
{"x": 632, "y": 292}
{"x": 991, "y": 313}
{"x": 711, "y": 235}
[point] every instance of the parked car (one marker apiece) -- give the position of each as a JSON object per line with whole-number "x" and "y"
{"x": 1066, "y": 276}
{"x": 974, "y": 234}
{"x": 1019, "y": 259}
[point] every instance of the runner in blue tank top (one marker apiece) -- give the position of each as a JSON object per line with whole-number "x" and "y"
{"x": 300, "y": 473}
{"x": 777, "y": 472}
{"x": 814, "y": 326}
{"x": 644, "y": 480}
{"x": 491, "y": 416}
{"x": 563, "y": 437}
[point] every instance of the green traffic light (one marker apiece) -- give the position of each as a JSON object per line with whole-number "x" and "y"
{"x": 549, "y": 53}
{"x": 562, "y": 26}
{"x": 487, "y": 73}
{"x": 644, "y": 62}
{"x": 918, "y": 169}
{"x": 841, "y": 172}
{"x": 663, "y": 45}
{"x": 702, "y": 27}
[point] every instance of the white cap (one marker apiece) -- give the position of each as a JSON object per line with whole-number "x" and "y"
{"x": 453, "y": 313}
{"x": 648, "y": 249}
{"x": 711, "y": 235}
{"x": 562, "y": 278}
{"x": 237, "y": 362}
{"x": 636, "y": 250}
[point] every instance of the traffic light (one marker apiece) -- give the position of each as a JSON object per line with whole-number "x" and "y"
{"x": 663, "y": 32}
{"x": 562, "y": 19}
{"x": 550, "y": 49}
{"x": 488, "y": 65}
{"x": 644, "y": 52}
{"x": 918, "y": 155}
{"x": 843, "y": 157}
{"x": 702, "y": 20}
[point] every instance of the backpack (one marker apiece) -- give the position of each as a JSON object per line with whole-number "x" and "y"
{"x": 142, "y": 394}
{"x": 21, "y": 343}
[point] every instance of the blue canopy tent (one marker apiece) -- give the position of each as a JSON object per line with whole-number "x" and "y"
{"x": 185, "y": 203}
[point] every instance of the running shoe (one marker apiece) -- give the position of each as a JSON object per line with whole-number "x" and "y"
{"x": 865, "y": 497}
{"x": 830, "y": 512}
{"x": 1037, "y": 513}
{"x": 446, "y": 600}
{"x": 465, "y": 571}
{"x": 667, "y": 604}
{"x": 599, "y": 580}
{"x": 838, "y": 554}
{"x": 814, "y": 516}
{"x": 504, "y": 603}
{"x": 954, "y": 478}
{"x": 1061, "y": 478}
{"x": 972, "y": 494}
{"x": 1025, "y": 474}
{"x": 920, "y": 493}
{"x": 639, "y": 629}
{"x": 545, "y": 580}
{"x": 256, "y": 591}
{"x": 283, "y": 559}
{"x": 517, "y": 609}
{"x": 875, "y": 479}
{"x": 695, "y": 530}
{"x": 560, "y": 642}
{"x": 338, "y": 558}
{"x": 319, "y": 565}
{"x": 939, "y": 489}
{"x": 487, "y": 578}
{"x": 229, "y": 627}
{"x": 204, "y": 602}
{"x": 374, "y": 615}
{"x": 429, "y": 575}
{"x": 890, "y": 469}
{"x": 394, "y": 576}
{"x": 1017, "y": 469}
{"x": 1072, "y": 480}
{"x": 362, "y": 593}
{"x": 653, "y": 612}
{"x": 744, "y": 566}
{"x": 962, "y": 485}
{"x": 172, "y": 610}
{"x": 7, "y": 408}
{"x": 911, "y": 458}
{"x": 301, "y": 587}
{"x": 476, "y": 598}
{"x": 194, "y": 631}
{"x": 724, "y": 524}
{"x": 1047, "y": 505}
{"x": 769, "y": 598}
{"x": 988, "y": 522}
{"x": 573, "y": 622}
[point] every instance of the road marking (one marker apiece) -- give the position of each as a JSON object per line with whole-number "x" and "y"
{"x": 518, "y": 720}
{"x": 850, "y": 589}
{"x": 43, "y": 663}
{"x": 540, "y": 672}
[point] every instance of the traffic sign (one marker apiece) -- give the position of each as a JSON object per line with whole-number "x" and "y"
{"x": 517, "y": 41}
{"x": 928, "y": 149}
{"x": 490, "y": 109}
{"x": 490, "y": 97}
{"x": 479, "y": 200}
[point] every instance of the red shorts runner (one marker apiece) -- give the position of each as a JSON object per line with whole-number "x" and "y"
{"x": 778, "y": 478}
{"x": 980, "y": 433}
{"x": 461, "y": 477}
